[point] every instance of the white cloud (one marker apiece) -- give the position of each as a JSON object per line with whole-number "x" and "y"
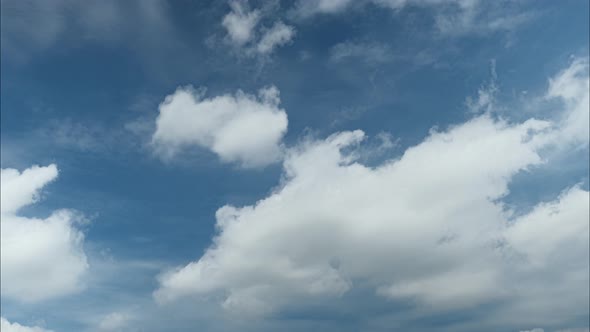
{"x": 6, "y": 326}
{"x": 486, "y": 95}
{"x": 115, "y": 321}
{"x": 40, "y": 258}
{"x": 572, "y": 86}
{"x": 240, "y": 23}
{"x": 247, "y": 36}
{"x": 278, "y": 35}
{"x": 239, "y": 128}
{"x": 428, "y": 227}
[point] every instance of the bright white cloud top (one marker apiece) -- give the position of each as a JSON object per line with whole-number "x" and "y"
{"x": 428, "y": 227}
{"x": 40, "y": 258}
{"x": 239, "y": 128}
{"x": 6, "y": 326}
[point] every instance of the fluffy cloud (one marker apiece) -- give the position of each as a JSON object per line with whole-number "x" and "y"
{"x": 240, "y": 23}
{"x": 6, "y": 326}
{"x": 40, "y": 258}
{"x": 428, "y": 227}
{"x": 239, "y": 128}
{"x": 244, "y": 32}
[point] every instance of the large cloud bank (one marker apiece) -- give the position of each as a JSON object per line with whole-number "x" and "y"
{"x": 429, "y": 227}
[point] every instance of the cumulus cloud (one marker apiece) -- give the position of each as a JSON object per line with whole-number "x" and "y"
{"x": 40, "y": 258}
{"x": 245, "y": 33}
{"x": 240, "y": 128}
{"x": 429, "y": 227}
{"x": 7, "y": 326}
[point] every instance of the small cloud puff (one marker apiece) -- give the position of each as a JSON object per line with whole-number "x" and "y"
{"x": 239, "y": 128}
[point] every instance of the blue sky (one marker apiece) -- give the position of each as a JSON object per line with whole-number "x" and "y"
{"x": 338, "y": 165}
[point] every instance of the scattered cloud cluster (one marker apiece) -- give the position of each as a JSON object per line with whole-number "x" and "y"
{"x": 244, "y": 32}
{"x": 429, "y": 227}
{"x": 41, "y": 258}
{"x": 239, "y": 128}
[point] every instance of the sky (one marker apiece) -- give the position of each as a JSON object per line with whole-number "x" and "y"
{"x": 317, "y": 165}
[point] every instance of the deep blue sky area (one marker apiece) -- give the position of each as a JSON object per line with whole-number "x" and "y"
{"x": 81, "y": 84}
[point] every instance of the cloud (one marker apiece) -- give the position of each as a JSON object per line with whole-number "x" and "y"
{"x": 486, "y": 95}
{"x": 572, "y": 87}
{"x": 278, "y": 35}
{"x": 370, "y": 53}
{"x": 7, "y": 326}
{"x": 451, "y": 17}
{"x": 240, "y": 23}
{"x": 28, "y": 27}
{"x": 41, "y": 258}
{"x": 239, "y": 128}
{"x": 429, "y": 227}
{"x": 250, "y": 38}
{"x": 311, "y": 7}
{"x": 115, "y": 321}
{"x": 565, "y": 330}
